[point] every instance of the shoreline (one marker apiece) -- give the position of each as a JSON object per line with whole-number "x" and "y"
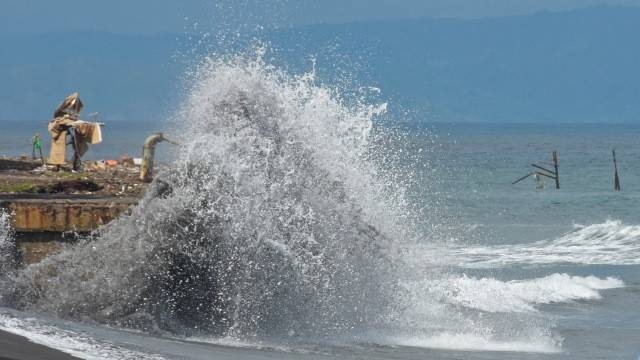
{"x": 16, "y": 347}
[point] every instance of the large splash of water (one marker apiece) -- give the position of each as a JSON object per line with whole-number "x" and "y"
{"x": 284, "y": 216}
{"x": 271, "y": 222}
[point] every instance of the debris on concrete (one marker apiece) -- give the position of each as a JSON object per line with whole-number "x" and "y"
{"x": 104, "y": 177}
{"x": 66, "y": 125}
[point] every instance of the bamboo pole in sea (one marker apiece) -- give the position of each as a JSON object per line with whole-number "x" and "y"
{"x": 616, "y": 177}
{"x": 555, "y": 166}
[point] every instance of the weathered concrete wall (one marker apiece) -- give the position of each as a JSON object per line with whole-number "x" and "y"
{"x": 40, "y": 222}
{"x": 64, "y": 215}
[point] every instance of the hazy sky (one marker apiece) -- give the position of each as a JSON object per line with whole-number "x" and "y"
{"x": 152, "y": 16}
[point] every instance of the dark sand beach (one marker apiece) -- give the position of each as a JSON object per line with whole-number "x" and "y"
{"x": 14, "y": 347}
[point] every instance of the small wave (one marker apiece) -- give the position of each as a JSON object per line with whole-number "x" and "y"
{"x": 608, "y": 243}
{"x": 491, "y": 295}
{"x": 71, "y": 342}
{"x": 473, "y": 342}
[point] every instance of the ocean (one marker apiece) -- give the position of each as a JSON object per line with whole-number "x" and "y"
{"x": 120, "y": 139}
{"x": 298, "y": 227}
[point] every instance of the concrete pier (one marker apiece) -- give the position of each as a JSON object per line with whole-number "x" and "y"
{"x": 43, "y": 222}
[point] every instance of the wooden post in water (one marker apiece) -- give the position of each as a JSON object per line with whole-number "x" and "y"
{"x": 555, "y": 166}
{"x": 543, "y": 171}
{"x": 616, "y": 180}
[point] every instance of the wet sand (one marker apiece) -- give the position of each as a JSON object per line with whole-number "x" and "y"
{"x": 14, "y": 347}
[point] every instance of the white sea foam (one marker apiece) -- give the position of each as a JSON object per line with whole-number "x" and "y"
{"x": 491, "y": 295}
{"x": 610, "y": 243}
{"x": 5, "y": 238}
{"x": 7, "y": 250}
{"x": 71, "y": 342}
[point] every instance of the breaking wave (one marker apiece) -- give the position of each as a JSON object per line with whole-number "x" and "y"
{"x": 608, "y": 243}
{"x": 491, "y": 295}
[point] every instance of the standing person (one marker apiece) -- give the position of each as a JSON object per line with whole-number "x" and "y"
{"x": 36, "y": 143}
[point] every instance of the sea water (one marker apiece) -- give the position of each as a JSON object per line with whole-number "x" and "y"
{"x": 119, "y": 139}
{"x": 350, "y": 237}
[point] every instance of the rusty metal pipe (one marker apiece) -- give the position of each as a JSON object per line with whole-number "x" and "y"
{"x": 148, "y": 154}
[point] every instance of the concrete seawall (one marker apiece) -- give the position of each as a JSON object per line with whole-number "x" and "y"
{"x": 43, "y": 222}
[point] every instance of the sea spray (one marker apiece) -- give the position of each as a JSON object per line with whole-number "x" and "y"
{"x": 7, "y": 246}
{"x": 271, "y": 223}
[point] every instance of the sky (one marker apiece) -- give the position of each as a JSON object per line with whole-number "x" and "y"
{"x": 157, "y": 16}
{"x": 572, "y": 64}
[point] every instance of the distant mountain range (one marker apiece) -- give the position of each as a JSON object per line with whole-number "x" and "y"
{"x": 578, "y": 66}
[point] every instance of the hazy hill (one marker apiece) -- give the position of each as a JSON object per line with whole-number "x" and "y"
{"x": 580, "y": 66}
